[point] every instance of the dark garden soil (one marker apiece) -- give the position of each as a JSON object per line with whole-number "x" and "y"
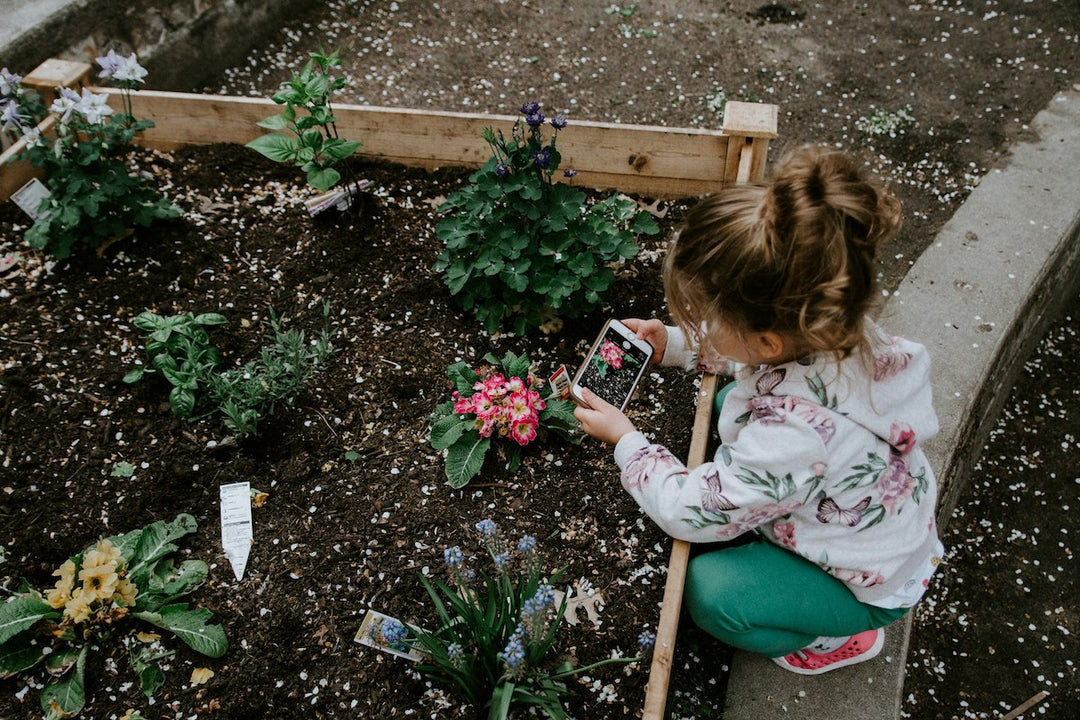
{"x": 357, "y": 509}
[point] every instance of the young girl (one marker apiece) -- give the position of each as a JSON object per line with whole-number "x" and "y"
{"x": 819, "y": 434}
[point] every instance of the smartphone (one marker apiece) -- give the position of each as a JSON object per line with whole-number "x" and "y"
{"x": 614, "y": 365}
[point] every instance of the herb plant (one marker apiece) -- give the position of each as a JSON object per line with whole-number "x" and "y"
{"x": 179, "y": 348}
{"x": 523, "y": 248}
{"x": 502, "y": 400}
{"x": 496, "y": 631}
{"x": 119, "y": 577}
{"x": 313, "y": 144}
{"x": 94, "y": 195}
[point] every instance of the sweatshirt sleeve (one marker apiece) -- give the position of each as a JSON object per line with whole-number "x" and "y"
{"x": 681, "y": 352}
{"x": 770, "y": 470}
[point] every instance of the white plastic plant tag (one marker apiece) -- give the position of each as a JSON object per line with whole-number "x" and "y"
{"x": 29, "y": 197}
{"x": 388, "y": 634}
{"x": 236, "y": 528}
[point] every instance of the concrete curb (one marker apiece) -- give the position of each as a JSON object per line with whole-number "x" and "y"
{"x": 979, "y": 298}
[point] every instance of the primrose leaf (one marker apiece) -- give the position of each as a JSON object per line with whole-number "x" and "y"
{"x": 21, "y": 613}
{"x": 465, "y": 458}
{"x": 191, "y": 627}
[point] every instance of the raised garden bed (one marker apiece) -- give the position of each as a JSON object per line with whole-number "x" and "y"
{"x": 356, "y": 508}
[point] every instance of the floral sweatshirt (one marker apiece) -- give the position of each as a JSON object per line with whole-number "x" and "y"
{"x": 819, "y": 457}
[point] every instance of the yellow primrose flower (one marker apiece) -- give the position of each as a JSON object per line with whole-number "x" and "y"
{"x": 78, "y": 607}
{"x": 59, "y": 595}
{"x": 100, "y": 582}
{"x": 126, "y": 592}
{"x": 104, "y": 553}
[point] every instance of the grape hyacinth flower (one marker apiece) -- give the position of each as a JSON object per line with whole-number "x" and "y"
{"x": 646, "y": 640}
{"x": 514, "y": 652}
{"x": 456, "y": 653}
{"x": 502, "y": 560}
{"x": 487, "y": 527}
{"x": 453, "y": 556}
{"x": 526, "y": 544}
{"x": 535, "y": 612}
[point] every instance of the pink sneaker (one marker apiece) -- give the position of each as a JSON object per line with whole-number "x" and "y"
{"x": 864, "y": 646}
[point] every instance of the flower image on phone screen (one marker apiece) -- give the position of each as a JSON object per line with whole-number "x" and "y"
{"x": 613, "y": 369}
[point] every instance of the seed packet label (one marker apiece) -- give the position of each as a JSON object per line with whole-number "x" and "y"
{"x": 236, "y": 528}
{"x": 29, "y": 197}
{"x": 371, "y": 634}
{"x": 560, "y": 383}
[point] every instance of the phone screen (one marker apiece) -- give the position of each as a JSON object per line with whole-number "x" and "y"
{"x": 613, "y": 368}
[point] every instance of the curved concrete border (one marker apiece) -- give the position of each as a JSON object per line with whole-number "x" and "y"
{"x": 979, "y": 298}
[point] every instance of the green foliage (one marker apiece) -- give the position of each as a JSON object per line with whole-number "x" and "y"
{"x": 522, "y": 248}
{"x": 313, "y": 144}
{"x": 179, "y": 348}
{"x": 499, "y": 400}
{"x": 496, "y": 631}
{"x": 885, "y": 122}
{"x": 94, "y": 196}
{"x": 123, "y": 576}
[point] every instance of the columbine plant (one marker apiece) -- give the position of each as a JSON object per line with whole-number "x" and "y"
{"x": 521, "y": 247}
{"x": 179, "y": 348}
{"x": 496, "y": 631}
{"x": 94, "y": 195}
{"x": 21, "y": 108}
{"x": 98, "y": 590}
{"x": 499, "y": 400}
{"x": 313, "y": 144}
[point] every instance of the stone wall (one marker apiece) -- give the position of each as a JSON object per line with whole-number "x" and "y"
{"x": 182, "y": 44}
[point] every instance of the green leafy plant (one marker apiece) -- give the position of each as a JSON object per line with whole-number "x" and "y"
{"x": 179, "y": 348}
{"x": 502, "y": 400}
{"x": 521, "y": 247}
{"x": 94, "y": 196}
{"x": 496, "y": 631}
{"x": 885, "y": 122}
{"x": 313, "y": 143}
{"x": 118, "y": 578}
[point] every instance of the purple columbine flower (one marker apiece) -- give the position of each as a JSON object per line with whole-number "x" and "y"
{"x": 569, "y": 172}
{"x": 10, "y": 117}
{"x": 558, "y": 122}
{"x": 501, "y": 170}
{"x": 9, "y": 83}
{"x": 110, "y": 63}
{"x": 530, "y": 108}
{"x": 535, "y": 120}
{"x": 542, "y": 159}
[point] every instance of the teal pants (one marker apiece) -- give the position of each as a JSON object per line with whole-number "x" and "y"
{"x": 760, "y": 597}
{"x": 765, "y": 599}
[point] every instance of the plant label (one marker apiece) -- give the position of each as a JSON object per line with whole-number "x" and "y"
{"x": 388, "y": 634}
{"x": 236, "y": 528}
{"x": 29, "y": 197}
{"x": 339, "y": 199}
{"x": 560, "y": 383}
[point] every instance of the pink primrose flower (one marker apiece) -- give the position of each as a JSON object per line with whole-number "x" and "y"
{"x": 482, "y": 404}
{"x": 495, "y": 386}
{"x": 462, "y": 405}
{"x": 515, "y": 385}
{"x": 518, "y": 407}
{"x": 524, "y": 432}
{"x": 612, "y": 354}
{"x": 536, "y": 401}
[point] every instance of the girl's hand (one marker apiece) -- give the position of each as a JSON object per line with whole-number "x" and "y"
{"x": 601, "y": 419}
{"x": 653, "y": 332}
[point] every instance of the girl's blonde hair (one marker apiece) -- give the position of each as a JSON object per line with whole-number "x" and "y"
{"x": 793, "y": 255}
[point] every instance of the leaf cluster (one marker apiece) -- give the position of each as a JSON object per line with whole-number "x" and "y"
{"x": 459, "y": 435}
{"x": 32, "y": 632}
{"x": 521, "y": 247}
{"x": 94, "y": 196}
{"x": 179, "y": 348}
{"x": 312, "y": 142}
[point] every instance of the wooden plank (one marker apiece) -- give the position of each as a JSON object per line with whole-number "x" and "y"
{"x": 658, "y": 162}
{"x": 671, "y": 606}
{"x": 13, "y": 175}
{"x": 54, "y": 73}
{"x": 756, "y": 120}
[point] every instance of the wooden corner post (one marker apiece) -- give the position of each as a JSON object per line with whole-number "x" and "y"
{"x": 750, "y": 126}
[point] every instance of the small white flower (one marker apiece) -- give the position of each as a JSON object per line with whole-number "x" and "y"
{"x": 94, "y": 107}
{"x": 129, "y": 69}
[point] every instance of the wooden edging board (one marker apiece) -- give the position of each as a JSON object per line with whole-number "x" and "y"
{"x": 651, "y": 161}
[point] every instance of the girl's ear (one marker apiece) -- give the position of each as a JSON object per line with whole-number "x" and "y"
{"x": 771, "y": 346}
